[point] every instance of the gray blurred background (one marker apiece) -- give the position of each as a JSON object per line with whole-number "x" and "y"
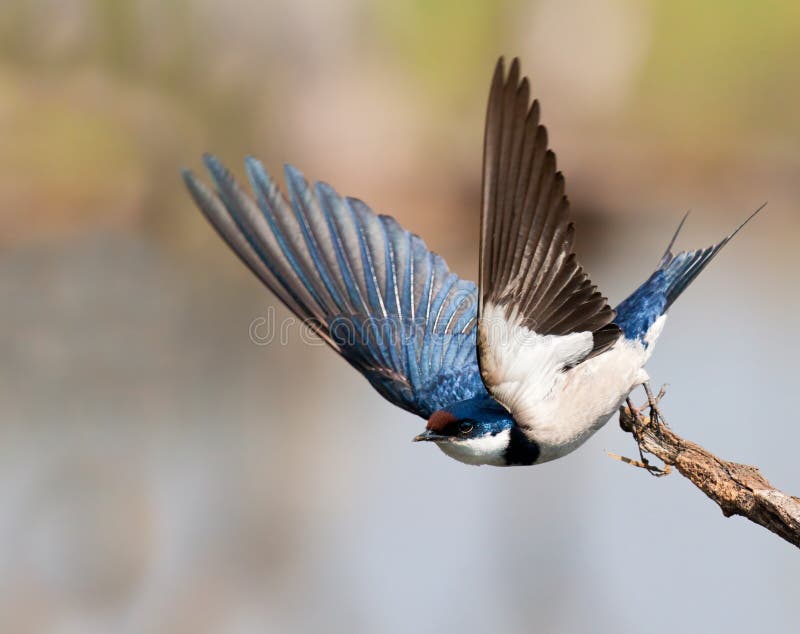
{"x": 159, "y": 472}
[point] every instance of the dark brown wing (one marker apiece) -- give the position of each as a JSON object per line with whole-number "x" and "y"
{"x": 527, "y": 265}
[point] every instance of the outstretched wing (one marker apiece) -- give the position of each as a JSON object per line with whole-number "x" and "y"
{"x": 370, "y": 289}
{"x": 539, "y": 312}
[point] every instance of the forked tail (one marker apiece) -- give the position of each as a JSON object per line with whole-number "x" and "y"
{"x": 637, "y": 313}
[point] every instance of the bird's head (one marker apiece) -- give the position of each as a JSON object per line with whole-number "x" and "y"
{"x": 476, "y": 431}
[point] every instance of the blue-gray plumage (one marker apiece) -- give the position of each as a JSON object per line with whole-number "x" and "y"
{"x": 637, "y": 314}
{"x": 521, "y": 372}
{"x": 369, "y": 288}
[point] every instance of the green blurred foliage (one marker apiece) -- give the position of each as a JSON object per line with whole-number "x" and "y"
{"x": 728, "y": 70}
{"x": 101, "y": 101}
{"x": 441, "y": 41}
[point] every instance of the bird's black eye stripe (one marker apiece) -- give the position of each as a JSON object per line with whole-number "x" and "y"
{"x": 465, "y": 427}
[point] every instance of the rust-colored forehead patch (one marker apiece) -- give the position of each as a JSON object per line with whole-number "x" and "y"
{"x": 439, "y": 420}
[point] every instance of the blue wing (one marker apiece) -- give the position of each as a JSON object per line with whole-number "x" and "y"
{"x": 370, "y": 289}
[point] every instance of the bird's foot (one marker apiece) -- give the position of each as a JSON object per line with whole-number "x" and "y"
{"x": 632, "y": 417}
{"x": 652, "y": 404}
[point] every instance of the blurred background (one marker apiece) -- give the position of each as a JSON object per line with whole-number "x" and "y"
{"x": 160, "y": 472}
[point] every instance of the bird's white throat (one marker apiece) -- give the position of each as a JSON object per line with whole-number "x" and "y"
{"x": 488, "y": 449}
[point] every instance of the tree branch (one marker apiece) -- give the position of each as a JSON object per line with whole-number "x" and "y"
{"x": 738, "y": 489}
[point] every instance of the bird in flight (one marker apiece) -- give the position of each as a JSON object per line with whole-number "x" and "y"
{"x": 522, "y": 368}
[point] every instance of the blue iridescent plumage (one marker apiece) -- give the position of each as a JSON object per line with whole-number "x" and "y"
{"x": 376, "y": 293}
{"x": 637, "y": 313}
{"x": 369, "y": 288}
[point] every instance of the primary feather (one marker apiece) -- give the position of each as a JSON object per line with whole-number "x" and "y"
{"x": 370, "y": 289}
{"x": 527, "y": 264}
{"x": 540, "y": 314}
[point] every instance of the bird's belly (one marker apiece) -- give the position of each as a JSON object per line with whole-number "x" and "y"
{"x": 585, "y": 397}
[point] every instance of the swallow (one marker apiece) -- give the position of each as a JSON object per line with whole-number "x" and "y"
{"x": 521, "y": 368}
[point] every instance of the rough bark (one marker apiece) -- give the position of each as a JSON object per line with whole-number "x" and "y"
{"x": 738, "y": 489}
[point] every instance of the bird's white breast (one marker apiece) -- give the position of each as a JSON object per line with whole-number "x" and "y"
{"x": 585, "y": 397}
{"x": 476, "y": 451}
{"x": 518, "y": 364}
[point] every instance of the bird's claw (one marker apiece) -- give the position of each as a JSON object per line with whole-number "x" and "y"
{"x": 651, "y": 404}
{"x": 632, "y": 414}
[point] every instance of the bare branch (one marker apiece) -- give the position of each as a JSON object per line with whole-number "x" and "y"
{"x": 738, "y": 489}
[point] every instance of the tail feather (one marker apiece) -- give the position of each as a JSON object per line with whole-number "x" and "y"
{"x": 681, "y": 270}
{"x": 668, "y": 251}
{"x": 637, "y": 313}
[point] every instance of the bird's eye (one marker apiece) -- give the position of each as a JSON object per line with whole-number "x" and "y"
{"x": 465, "y": 427}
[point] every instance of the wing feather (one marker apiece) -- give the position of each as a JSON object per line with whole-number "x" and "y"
{"x": 527, "y": 264}
{"x": 370, "y": 289}
{"x": 540, "y": 314}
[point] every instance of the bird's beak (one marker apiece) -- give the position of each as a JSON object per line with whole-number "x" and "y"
{"x": 429, "y": 435}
